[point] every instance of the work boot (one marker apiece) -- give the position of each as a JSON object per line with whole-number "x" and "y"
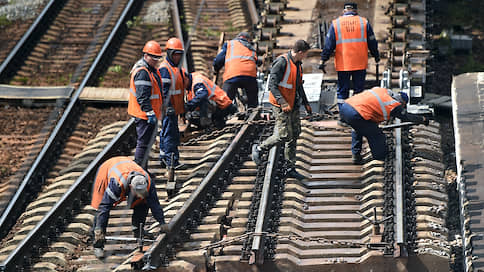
{"x": 99, "y": 252}
{"x": 256, "y": 156}
{"x": 292, "y": 173}
{"x": 357, "y": 159}
{"x": 146, "y": 235}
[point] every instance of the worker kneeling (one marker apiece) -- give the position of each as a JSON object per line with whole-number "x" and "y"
{"x": 119, "y": 179}
{"x": 205, "y": 98}
{"x": 364, "y": 111}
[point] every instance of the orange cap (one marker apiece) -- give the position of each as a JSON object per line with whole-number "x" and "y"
{"x": 153, "y": 48}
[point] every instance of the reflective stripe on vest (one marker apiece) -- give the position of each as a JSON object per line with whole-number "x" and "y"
{"x": 172, "y": 91}
{"x": 232, "y": 56}
{"x": 340, "y": 36}
{"x": 386, "y": 115}
{"x": 153, "y": 96}
{"x": 118, "y": 173}
{"x": 284, "y": 82}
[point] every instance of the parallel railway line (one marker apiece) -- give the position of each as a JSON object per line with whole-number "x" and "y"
{"x": 324, "y": 222}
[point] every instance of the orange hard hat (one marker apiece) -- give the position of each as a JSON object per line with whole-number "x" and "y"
{"x": 152, "y": 48}
{"x": 174, "y": 43}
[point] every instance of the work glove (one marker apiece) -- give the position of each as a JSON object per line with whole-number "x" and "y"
{"x": 322, "y": 66}
{"x": 258, "y": 62}
{"x": 425, "y": 121}
{"x": 308, "y": 109}
{"x": 377, "y": 59}
{"x": 285, "y": 107}
{"x": 99, "y": 237}
{"x": 151, "y": 117}
{"x": 170, "y": 111}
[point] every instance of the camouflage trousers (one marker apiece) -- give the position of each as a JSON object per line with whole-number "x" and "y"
{"x": 286, "y": 130}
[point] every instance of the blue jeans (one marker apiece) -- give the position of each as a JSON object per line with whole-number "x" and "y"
{"x": 344, "y": 79}
{"x": 361, "y": 127}
{"x": 169, "y": 140}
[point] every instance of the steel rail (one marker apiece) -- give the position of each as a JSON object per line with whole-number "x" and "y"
{"x": 152, "y": 257}
{"x": 63, "y": 210}
{"x": 18, "y": 54}
{"x": 399, "y": 193}
{"x": 50, "y": 151}
{"x": 264, "y": 206}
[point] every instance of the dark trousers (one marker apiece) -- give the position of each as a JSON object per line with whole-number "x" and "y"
{"x": 144, "y": 131}
{"x": 219, "y": 115}
{"x": 169, "y": 140}
{"x": 361, "y": 127}
{"x": 344, "y": 84}
{"x": 249, "y": 84}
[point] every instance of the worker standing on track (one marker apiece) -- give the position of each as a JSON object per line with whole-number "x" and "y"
{"x": 144, "y": 102}
{"x": 364, "y": 111}
{"x": 350, "y": 36}
{"x": 119, "y": 179}
{"x": 203, "y": 91}
{"x": 286, "y": 95}
{"x": 173, "y": 102}
{"x": 240, "y": 60}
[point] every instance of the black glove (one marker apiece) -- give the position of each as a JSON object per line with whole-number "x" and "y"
{"x": 170, "y": 111}
{"x": 377, "y": 59}
{"x": 258, "y": 62}
{"x": 151, "y": 117}
{"x": 322, "y": 66}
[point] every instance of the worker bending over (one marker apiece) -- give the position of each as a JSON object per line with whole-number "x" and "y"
{"x": 205, "y": 95}
{"x": 286, "y": 95}
{"x": 119, "y": 179}
{"x": 240, "y": 60}
{"x": 364, "y": 111}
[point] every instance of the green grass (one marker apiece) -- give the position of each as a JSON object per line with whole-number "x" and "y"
{"x": 4, "y": 21}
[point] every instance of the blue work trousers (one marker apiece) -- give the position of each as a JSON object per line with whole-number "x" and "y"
{"x": 169, "y": 140}
{"x": 344, "y": 80}
{"x": 361, "y": 127}
{"x": 144, "y": 131}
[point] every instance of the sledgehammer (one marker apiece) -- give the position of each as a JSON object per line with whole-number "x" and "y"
{"x": 404, "y": 124}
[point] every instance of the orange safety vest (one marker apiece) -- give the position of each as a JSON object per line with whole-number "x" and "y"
{"x": 176, "y": 88}
{"x": 287, "y": 86}
{"x": 375, "y": 104}
{"x": 351, "y": 43}
{"x": 134, "y": 109}
{"x": 215, "y": 93}
{"x": 118, "y": 168}
{"x": 239, "y": 61}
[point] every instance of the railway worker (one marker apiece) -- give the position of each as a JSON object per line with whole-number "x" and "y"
{"x": 364, "y": 111}
{"x": 172, "y": 77}
{"x": 119, "y": 179}
{"x": 350, "y": 36}
{"x": 203, "y": 92}
{"x": 286, "y": 95}
{"x": 239, "y": 58}
{"x": 144, "y": 102}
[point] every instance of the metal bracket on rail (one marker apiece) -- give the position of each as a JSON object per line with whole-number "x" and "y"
{"x": 376, "y": 238}
{"x": 386, "y": 81}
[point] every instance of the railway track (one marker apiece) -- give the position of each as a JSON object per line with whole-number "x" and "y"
{"x": 224, "y": 216}
{"x": 207, "y": 19}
